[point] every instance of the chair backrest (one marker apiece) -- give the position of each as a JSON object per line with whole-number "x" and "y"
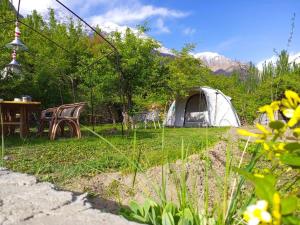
{"x": 70, "y": 110}
{"x": 67, "y": 112}
{"x": 47, "y": 113}
{"x": 78, "y": 109}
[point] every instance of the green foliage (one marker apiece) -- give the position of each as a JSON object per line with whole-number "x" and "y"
{"x": 253, "y": 89}
{"x": 165, "y": 211}
{"x": 282, "y": 163}
{"x": 185, "y": 72}
{"x": 87, "y": 72}
{"x": 165, "y": 214}
{"x": 68, "y": 158}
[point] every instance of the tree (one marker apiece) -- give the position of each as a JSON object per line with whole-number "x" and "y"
{"x": 138, "y": 63}
{"x": 185, "y": 72}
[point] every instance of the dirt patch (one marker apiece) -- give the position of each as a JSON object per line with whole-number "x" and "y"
{"x": 110, "y": 190}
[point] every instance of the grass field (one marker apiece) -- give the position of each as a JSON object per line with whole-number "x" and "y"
{"x": 60, "y": 160}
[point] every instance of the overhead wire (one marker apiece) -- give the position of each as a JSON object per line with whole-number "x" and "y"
{"x": 118, "y": 56}
{"x": 44, "y": 36}
{"x": 93, "y": 29}
{"x": 18, "y": 12}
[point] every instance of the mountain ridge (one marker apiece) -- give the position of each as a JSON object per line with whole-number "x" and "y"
{"x": 220, "y": 64}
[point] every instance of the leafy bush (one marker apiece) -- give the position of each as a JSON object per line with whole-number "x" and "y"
{"x": 277, "y": 185}
{"x": 166, "y": 214}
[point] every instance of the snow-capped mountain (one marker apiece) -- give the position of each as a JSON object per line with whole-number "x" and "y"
{"x": 220, "y": 64}
{"x": 293, "y": 58}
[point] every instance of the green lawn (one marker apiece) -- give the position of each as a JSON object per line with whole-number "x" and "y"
{"x": 58, "y": 161}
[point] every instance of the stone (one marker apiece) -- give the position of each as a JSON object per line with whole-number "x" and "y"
{"x": 24, "y": 201}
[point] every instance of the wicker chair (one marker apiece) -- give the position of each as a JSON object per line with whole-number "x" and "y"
{"x": 58, "y": 117}
{"x": 45, "y": 120}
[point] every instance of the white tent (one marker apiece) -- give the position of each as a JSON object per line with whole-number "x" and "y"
{"x": 204, "y": 106}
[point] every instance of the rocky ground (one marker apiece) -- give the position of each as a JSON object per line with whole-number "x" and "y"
{"x": 24, "y": 201}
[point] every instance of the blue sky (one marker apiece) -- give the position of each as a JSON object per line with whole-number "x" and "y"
{"x": 246, "y": 30}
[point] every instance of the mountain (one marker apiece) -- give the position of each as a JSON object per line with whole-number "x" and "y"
{"x": 220, "y": 64}
{"x": 293, "y": 58}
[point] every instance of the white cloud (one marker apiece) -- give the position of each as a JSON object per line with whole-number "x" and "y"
{"x": 134, "y": 14}
{"x": 293, "y": 57}
{"x": 110, "y": 15}
{"x": 110, "y": 27}
{"x": 27, "y": 6}
{"x": 162, "y": 28}
{"x": 189, "y": 31}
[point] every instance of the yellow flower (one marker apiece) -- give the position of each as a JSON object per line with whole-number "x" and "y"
{"x": 259, "y": 175}
{"x": 291, "y": 107}
{"x": 295, "y": 116}
{"x": 275, "y": 105}
{"x": 256, "y": 214}
{"x": 263, "y": 129}
{"x": 279, "y": 147}
{"x": 266, "y": 146}
{"x": 292, "y": 99}
{"x": 270, "y": 109}
{"x": 296, "y": 132}
{"x": 276, "y": 209}
{"x": 247, "y": 133}
{"x": 262, "y": 136}
{"x": 287, "y": 112}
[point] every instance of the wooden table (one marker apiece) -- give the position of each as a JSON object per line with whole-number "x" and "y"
{"x": 9, "y": 110}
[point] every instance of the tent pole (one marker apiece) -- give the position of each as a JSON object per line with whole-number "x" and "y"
{"x": 215, "y": 117}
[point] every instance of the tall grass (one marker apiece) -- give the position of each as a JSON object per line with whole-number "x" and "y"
{"x": 206, "y": 169}
{"x": 138, "y": 158}
{"x": 185, "y": 210}
{"x": 164, "y": 210}
{"x": 235, "y": 196}
{"x": 2, "y": 138}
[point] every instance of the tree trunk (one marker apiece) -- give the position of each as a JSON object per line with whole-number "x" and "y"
{"x": 92, "y": 108}
{"x": 73, "y": 89}
{"x": 113, "y": 113}
{"x": 127, "y": 104}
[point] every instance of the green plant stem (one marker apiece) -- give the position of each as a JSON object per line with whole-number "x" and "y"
{"x": 227, "y": 172}
{"x": 163, "y": 190}
{"x": 234, "y": 197}
{"x": 111, "y": 145}
{"x": 138, "y": 158}
{"x": 2, "y": 138}
{"x": 235, "y": 180}
{"x": 206, "y": 174}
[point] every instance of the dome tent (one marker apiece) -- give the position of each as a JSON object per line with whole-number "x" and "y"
{"x": 203, "y": 107}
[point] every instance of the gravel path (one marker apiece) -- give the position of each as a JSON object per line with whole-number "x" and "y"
{"x": 24, "y": 201}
